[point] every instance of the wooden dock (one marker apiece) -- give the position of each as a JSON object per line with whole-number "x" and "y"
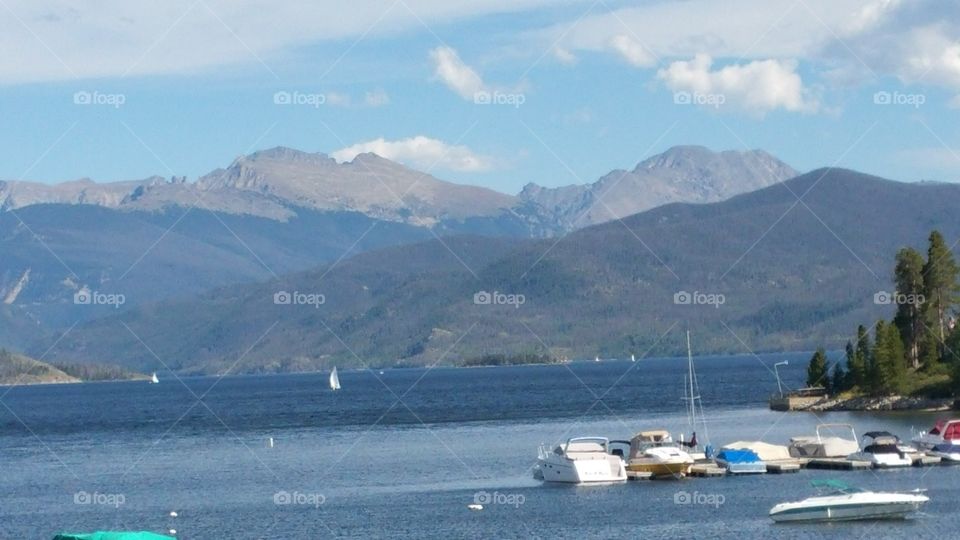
{"x": 783, "y": 467}
{"x": 838, "y": 464}
{"x": 707, "y": 470}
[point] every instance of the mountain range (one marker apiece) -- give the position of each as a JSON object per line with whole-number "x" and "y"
{"x": 788, "y": 267}
{"x": 280, "y": 211}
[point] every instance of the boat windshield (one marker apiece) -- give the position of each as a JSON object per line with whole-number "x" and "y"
{"x": 835, "y": 486}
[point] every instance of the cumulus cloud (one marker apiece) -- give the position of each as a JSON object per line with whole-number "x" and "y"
{"x": 455, "y": 73}
{"x": 632, "y": 51}
{"x": 420, "y": 152}
{"x": 758, "y": 87}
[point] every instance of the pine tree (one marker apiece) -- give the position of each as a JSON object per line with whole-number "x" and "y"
{"x": 889, "y": 361}
{"x": 839, "y": 379}
{"x": 817, "y": 370}
{"x": 940, "y": 290}
{"x": 855, "y": 366}
{"x": 908, "y": 276}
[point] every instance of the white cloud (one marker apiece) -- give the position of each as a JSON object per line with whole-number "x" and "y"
{"x": 758, "y": 87}
{"x": 420, "y": 152}
{"x": 453, "y": 72}
{"x": 77, "y": 39}
{"x": 632, "y": 51}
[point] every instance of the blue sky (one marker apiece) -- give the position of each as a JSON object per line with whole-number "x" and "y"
{"x": 585, "y": 87}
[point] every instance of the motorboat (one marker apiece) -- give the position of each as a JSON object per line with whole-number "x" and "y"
{"x": 882, "y": 449}
{"x": 838, "y": 501}
{"x": 943, "y": 440}
{"x": 580, "y": 460}
{"x": 766, "y": 452}
{"x": 740, "y": 461}
{"x": 656, "y": 453}
{"x": 827, "y": 443}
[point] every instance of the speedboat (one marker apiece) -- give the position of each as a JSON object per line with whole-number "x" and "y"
{"x": 656, "y": 453}
{"x": 882, "y": 449}
{"x": 840, "y": 502}
{"x": 942, "y": 441}
{"x": 740, "y": 461}
{"x": 581, "y": 460}
{"x": 826, "y": 444}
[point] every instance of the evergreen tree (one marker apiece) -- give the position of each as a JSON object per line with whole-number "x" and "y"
{"x": 839, "y": 379}
{"x": 817, "y": 370}
{"x": 908, "y": 276}
{"x": 889, "y": 361}
{"x": 940, "y": 290}
{"x": 862, "y": 365}
{"x": 855, "y": 367}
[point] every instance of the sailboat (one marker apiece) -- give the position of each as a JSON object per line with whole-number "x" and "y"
{"x": 633, "y": 358}
{"x": 334, "y": 379}
{"x": 154, "y": 379}
{"x": 691, "y": 392}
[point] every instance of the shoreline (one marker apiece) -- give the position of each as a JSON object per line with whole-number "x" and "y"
{"x": 885, "y": 403}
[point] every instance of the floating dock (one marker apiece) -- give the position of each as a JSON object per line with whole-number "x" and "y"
{"x": 707, "y": 470}
{"x": 838, "y": 464}
{"x": 783, "y": 467}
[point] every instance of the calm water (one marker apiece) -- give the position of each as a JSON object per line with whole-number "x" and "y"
{"x": 402, "y": 456}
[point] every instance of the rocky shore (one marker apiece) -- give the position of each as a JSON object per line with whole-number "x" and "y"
{"x": 887, "y": 403}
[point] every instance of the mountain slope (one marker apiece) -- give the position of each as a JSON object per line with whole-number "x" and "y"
{"x": 681, "y": 174}
{"x": 792, "y": 274}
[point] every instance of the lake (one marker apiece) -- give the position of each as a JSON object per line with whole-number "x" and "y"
{"x": 401, "y": 454}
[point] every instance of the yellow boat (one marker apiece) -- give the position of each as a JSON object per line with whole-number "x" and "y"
{"x": 655, "y": 452}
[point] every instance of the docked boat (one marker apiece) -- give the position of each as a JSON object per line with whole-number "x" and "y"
{"x": 740, "y": 461}
{"x": 830, "y": 441}
{"x": 581, "y": 460}
{"x": 766, "y": 452}
{"x": 882, "y": 449}
{"x": 943, "y": 440}
{"x": 656, "y": 453}
{"x": 840, "y": 502}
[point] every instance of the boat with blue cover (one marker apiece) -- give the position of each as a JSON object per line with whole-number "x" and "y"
{"x": 741, "y": 461}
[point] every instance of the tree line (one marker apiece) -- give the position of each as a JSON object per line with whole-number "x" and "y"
{"x": 920, "y": 343}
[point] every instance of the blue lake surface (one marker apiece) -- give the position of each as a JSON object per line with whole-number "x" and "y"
{"x": 401, "y": 454}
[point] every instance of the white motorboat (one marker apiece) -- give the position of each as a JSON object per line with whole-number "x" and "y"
{"x": 656, "y": 453}
{"x": 581, "y": 460}
{"x": 882, "y": 449}
{"x": 840, "y": 502}
{"x": 828, "y": 442}
{"x": 943, "y": 440}
{"x": 334, "y": 379}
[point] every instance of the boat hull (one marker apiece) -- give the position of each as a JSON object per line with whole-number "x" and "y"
{"x": 860, "y": 506}
{"x": 754, "y": 467}
{"x": 660, "y": 469}
{"x": 847, "y": 513}
{"x": 580, "y": 472}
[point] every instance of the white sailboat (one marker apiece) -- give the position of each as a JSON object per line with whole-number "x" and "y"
{"x": 154, "y": 379}
{"x": 633, "y": 358}
{"x": 334, "y": 379}
{"x": 691, "y": 392}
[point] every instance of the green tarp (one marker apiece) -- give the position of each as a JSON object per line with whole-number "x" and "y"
{"x": 114, "y": 535}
